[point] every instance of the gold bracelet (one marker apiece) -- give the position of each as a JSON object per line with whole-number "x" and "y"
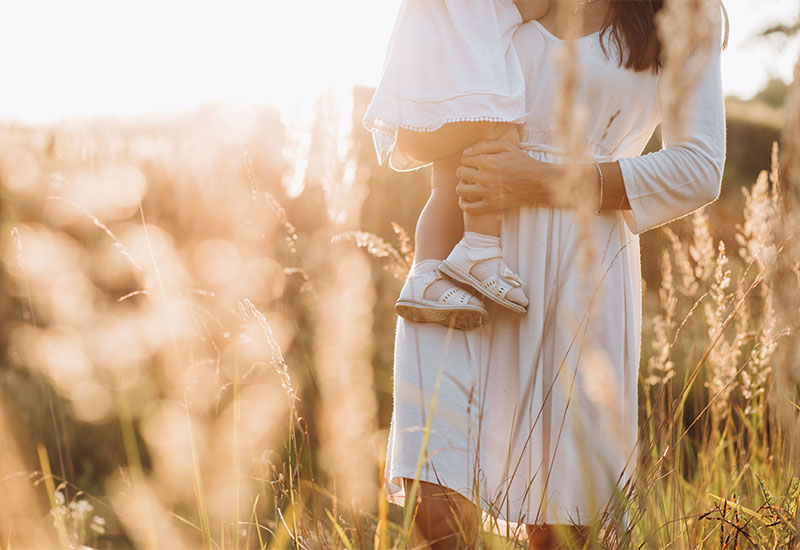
{"x": 600, "y": 205}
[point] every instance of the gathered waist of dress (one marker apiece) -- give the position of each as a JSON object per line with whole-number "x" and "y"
{"x": 546, "y": 147}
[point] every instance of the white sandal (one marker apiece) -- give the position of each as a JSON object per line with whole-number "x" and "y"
{"x": 463, "y": 258}
{"x": 451, "y": 310}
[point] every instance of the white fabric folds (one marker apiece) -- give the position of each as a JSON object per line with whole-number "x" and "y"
{"x": 535, "y": 415}
{"x": 447, "y": 61}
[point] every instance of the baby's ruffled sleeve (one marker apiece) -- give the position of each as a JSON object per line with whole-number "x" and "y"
{"x": 447, "y": 61}
{"x": 687, "y": 173}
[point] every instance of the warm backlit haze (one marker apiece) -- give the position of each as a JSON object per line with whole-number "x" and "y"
{"x": 112, "y": 58}
{"x": 197, "y": 289}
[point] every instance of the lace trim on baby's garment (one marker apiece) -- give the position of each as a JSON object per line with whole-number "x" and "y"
{"x": 388, "y": 113}
{"x": 430, "y": 115}
{"x": 384, "y": 137}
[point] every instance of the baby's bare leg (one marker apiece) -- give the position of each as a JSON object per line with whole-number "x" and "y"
{"x": 483, "y": 230}
{"x": 448, "y": 140}
{"x": 441, "y": 223}
{"x": 491, "y": 222}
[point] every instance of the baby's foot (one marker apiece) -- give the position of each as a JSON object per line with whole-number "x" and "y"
{"x": 427, "y": 296}
{"x": 483, "y": 269}
{"x": 444, "y": 288}
{"x": 496, "y": 268}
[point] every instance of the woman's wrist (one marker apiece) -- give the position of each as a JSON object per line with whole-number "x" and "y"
{"x": 499, "y": 175}
{"x": 553, "y": 182}
{"x": 614, "y": 195}
{"x": 547, "y": 183}
{"x": 538, "y": 183}
{"x": 599, "y": 191}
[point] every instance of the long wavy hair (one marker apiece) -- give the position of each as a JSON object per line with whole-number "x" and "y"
{"x": 632, "y": 28}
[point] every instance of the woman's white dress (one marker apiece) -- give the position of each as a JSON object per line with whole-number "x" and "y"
{"x": 535, "y": 416}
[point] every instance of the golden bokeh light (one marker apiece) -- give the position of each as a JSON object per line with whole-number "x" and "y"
{"x": 199, "y": 274}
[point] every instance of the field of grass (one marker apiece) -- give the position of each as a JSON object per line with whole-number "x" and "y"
{"x": 197, "y": 332}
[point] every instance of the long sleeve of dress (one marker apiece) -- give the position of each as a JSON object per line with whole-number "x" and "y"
{"x": 687, "y": 173}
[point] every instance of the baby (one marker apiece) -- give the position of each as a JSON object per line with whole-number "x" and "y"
{"x": 451, "y": 78}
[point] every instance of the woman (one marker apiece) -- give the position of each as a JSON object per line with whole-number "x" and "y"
{"x": 535, "y": 417}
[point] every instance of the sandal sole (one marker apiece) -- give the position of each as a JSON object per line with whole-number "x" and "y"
{"x": 461, "y": 318}
{"x": 475, "y": 284}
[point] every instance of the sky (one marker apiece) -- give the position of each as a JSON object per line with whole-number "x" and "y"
{"x": 62, "y": 59}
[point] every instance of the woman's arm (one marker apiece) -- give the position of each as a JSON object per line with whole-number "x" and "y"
{"x": 687, "y": 173}
{"x": 495, "y": 175}
{"x": 651, "y": 190}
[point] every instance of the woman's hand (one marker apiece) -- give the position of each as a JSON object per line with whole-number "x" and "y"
{"x": 495, "y": 175}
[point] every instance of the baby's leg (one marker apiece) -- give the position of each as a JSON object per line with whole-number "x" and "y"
{"x": 440, "y": 225}
{"x": 483, "y": 230}
{"x": 490, "y": 223}
{"x": 441, "y": 222}
{"x": 448, "y": 140}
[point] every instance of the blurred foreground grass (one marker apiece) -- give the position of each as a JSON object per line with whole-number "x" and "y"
{"x": 197, "y": 344}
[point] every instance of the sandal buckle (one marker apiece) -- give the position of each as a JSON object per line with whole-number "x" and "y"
{"x": 513, "y": 277}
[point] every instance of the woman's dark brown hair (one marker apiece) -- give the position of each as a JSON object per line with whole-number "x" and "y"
{"x": 632, "y": 27}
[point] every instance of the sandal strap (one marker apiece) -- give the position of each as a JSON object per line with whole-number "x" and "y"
{"x": 481, "y": 254}
{"x": 466, "y": 257}
{"x": 428, "y": 277}
{"x": 497, "y": 286}
{"x": 509, "y": 275}
{"x": 455, "y": 295}
{"x": 478, "y": 255}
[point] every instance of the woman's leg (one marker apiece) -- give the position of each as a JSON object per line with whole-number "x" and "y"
{"x": 556, "y": 537}
{"x": 443, "y": 518}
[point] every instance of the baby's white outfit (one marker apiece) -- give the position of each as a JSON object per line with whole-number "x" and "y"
{"x": 447, "y": 61}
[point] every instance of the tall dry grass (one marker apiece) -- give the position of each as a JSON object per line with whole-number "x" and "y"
{"x": 190, "y": 358}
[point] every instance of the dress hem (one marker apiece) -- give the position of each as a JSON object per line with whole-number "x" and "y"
{"x": 397, "y": 496}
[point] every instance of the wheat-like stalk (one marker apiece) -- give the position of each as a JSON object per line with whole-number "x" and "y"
{"x": 276, "y": 360}
{"x": 377, "y": 247}
{"x": 343, "y": 318}
{"x": 723, "y": 356}
{"x": 660, "y": 369}
{"x": 269, "y": 198}
{"x": 404, "y": 240}
{"x": 216, "y": 405}
{"x": 689, "y": 284}
{"x": 702, "y": 249}
{"x": 572, "y": 117}
{"x": 756, "y": 238}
